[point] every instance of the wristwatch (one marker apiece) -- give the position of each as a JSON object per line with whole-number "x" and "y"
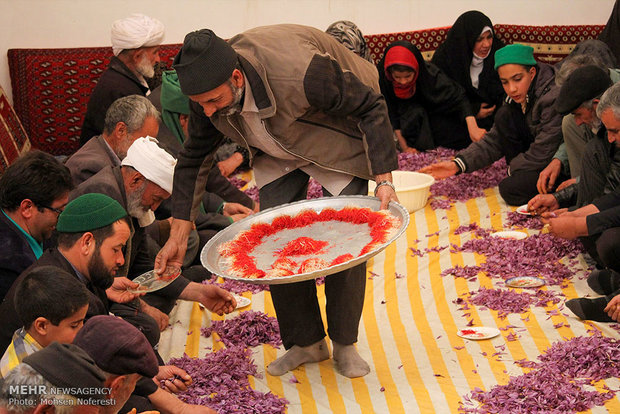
{"x": 384, "y": 182}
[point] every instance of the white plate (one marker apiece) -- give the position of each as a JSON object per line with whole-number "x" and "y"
{"x": 477, "y": 333}
{"x": 525, "y": 282}
{"x": 523, "y": 210}
{"x": 510, "y": 234}
{"x": 242, "y": 301}
{"x": 150, "y": 281}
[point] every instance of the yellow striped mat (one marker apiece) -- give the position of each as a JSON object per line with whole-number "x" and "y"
{"x": 408, "y": 331}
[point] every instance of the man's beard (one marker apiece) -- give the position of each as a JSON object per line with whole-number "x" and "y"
{"x": 596, "y": 124}
{"x": 134, "y": 203}
{"x": 145, "y": 68}
{"x": 99, "y": 275}
{"x": 235, "y": 106}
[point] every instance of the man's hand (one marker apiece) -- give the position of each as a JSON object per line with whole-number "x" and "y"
{"x": 160, "y": 317}
{"x": 173, "y": 251}
{"x": 441, "y": 170}
{"x": 212, "y": 297}
{"x": 613, "y": 308}
{"x": 566, "y": 183}
{"x": 385, "y": 193}
{"x": 176, "y": 379}
{"x": 475, "y": 132}
{"x": 542, "y": 203}
{"x": 485, "y": 111}
{"x": 230, "y": 164}
{"x": 547, "y": 177}
{"x": 118, "y": 291}
{"x": 568, "y": 227}
{"x": 236, "y": 211}
{"x": 169, "y": 403}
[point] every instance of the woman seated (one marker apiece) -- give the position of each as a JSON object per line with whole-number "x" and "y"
{"x": 427, "y": 108}
{"x": 468, "y": 57}
{"x": 527, "y": 130}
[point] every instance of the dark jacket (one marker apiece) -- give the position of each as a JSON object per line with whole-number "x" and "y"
{"x": 15, "y": 254}
{"x": 319, "y": 102}
{"x": 91, "y": 158}
{"x": 542, "y": 120}
{"x": 608, "y": 215}
{"x": 97, "y": 299}
{"x": 116, "y": 82}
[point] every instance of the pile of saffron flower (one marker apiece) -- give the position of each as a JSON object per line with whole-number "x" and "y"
{"x": 538, "y": 255}
{"x": 560, "y": 382}
{"x": 221, "y": 378}
{"x": 460, "y": 187}
{"x": 221, "y": 382}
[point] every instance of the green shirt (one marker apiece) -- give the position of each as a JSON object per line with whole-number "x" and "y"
{"x": 37, "y": 248}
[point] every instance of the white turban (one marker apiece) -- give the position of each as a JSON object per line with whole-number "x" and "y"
{"x": 152, "y": 161}
{"x": 136, "y": 31}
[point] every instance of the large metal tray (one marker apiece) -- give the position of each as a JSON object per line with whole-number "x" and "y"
{"x": 342, "y": 236}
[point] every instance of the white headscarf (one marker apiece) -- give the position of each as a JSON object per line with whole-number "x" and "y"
{"x": 477, "y": 63}
{"x": 136, "y": 31}
{"x": 152, "y": 161}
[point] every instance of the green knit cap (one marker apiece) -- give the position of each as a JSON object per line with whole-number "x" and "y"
{"x": 515, "y": 53}
{"x": 89, "y": 212}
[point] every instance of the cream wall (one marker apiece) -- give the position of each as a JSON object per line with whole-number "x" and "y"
{"x": 75, "y": 23}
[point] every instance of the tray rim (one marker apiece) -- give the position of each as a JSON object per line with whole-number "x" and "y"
{"x": 241, "y": 224}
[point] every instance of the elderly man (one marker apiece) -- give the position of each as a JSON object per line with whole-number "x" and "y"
{"x": 91, "y": 234}
{"x": 33, "y": 192}
{"x": 580, "y": 95}
{"x": 56, "y": 376}
{"x": 127, "y": 119}
{"x": 123, "y": 353}
{"x": 598, "y": 225}
{"x": 135, "y": 43}
{"x": 304, "y": 105}
{"x": 130, "y": 118}
{"x": 140, "y": 184}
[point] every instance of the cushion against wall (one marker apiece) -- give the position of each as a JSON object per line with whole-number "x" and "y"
{"x": 550, "y": 43}
{"x": 51, "y": 88}
{"x": 13, "y": 139}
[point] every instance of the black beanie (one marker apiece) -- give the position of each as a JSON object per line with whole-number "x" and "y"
{"x": 584, "y": 84}
{"x": 204, "y": 62}
{"x": 68, "y": 366}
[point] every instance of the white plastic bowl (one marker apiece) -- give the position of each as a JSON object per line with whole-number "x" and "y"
{"x": 412, "y": 188}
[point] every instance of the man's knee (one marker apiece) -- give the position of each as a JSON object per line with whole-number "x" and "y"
{"x": 608, "y": 248}
{"x": 515, "y": 191}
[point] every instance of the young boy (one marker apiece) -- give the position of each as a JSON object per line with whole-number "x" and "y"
{"x": 52, "y": 306}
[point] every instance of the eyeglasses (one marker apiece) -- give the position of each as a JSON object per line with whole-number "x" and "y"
{"x": 55, "y": 210}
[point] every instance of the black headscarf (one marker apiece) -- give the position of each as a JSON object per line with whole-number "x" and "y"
{"x": 455, "y": 54}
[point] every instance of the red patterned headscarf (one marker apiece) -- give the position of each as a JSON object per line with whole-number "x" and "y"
{"x": 400, "y": 55}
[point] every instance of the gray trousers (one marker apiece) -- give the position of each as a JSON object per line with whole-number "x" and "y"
{"x": 296, "y": 304}
{"x": 595, "y": 166}
{"x": 575, "y": 137}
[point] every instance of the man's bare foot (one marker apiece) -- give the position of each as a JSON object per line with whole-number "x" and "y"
{"x": 297, "y": 356}
{"x": 348, "y": 362}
